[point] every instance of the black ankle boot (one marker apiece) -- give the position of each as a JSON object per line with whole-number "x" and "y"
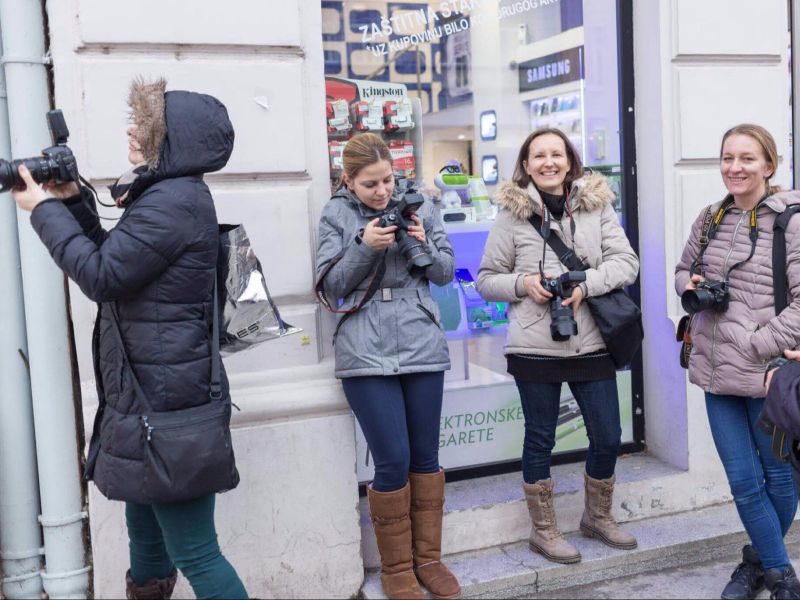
{"x": 155, "y": 589}
{"x": 782, "y": 584}
{"x": 747, "y": 578}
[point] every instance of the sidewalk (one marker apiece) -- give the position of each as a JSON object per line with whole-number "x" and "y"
{"x": 668, "y": 547}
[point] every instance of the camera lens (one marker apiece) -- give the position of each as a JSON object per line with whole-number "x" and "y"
{"x": 694, "y": 301}
{"x": 562, "y": 323}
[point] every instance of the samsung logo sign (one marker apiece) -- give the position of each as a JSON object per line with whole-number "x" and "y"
{"x": 552, "y": 69}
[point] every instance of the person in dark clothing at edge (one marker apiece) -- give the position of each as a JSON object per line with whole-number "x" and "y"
{"x": 157, "y": 267}
{"x": 549, "y": 180}
{"x": 391, "y": 355}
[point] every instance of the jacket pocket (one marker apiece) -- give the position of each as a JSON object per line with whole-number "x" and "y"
{"x": 529, "y": 313}
{"x": 430, "y": 315}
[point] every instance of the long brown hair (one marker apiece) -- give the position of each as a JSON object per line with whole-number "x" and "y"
{"x": 361, "y": 151}
{"x": 768, "y": 147}
{"x": 522, "y": 179}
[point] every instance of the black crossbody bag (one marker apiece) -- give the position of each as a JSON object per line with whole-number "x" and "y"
{"x": 616, "y": 315}
{"x": 187, "y": 453}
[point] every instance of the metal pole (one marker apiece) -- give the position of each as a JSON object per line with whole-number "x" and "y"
{"x": 66, "y": 575}
{"x": 20, "y": 534}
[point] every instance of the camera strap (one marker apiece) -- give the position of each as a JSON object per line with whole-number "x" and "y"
{"x": 780, "y": 283}
{"x": 708, "y": 231}
{"x": 565, "y": 254}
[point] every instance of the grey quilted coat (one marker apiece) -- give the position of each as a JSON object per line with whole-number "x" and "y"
{"x": 514, "y": 249}
{"x": 731, "y": 349}
{"x": 403, "y": 335}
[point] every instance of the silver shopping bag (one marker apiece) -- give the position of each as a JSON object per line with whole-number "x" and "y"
{"x": 248, "y": 314}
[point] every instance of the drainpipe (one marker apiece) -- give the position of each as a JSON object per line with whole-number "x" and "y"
{"x": 20, "y": 534}
{"x": 65, "y": 575}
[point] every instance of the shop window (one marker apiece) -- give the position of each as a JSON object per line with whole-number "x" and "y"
{"x": 465, "y": 82}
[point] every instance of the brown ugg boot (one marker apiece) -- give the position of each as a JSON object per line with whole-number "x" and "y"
{"x": 597, "y": 520}
{"x": 392, "y": 525}
{"x": 427, "y": 503}
{"x": 155, "y": 589}
{"x": 546, "y": 539}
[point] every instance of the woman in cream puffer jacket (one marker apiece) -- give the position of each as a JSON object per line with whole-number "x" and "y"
{"x": 549, "y": 180}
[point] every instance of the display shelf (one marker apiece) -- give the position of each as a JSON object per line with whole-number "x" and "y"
{"x": 467, "y": 227}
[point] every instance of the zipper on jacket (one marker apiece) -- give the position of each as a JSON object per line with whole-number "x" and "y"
{"x": 716, "y": 315}
{"x": 148, "y": 429}
{"x": 430, "y": 315}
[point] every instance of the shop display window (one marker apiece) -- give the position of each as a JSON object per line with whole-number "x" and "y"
{"x": 454, "y": 87}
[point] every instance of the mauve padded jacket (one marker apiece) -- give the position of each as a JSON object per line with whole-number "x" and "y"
{"x": 158, "y": 266}
{"x": 731, "y": 349}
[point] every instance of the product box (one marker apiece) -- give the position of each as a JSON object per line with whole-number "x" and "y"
{"x": 403, "y": 158}
{"x": 397, "y": 115}
{"x": 338, "y": 117}
{"x": 368, "y": 115}
{"x": 335, "y": 149}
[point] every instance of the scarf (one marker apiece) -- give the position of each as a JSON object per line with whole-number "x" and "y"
{"x": 120, "y": 188}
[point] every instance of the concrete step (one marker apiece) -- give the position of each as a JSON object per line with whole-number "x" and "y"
{"x": 513, "y": 571}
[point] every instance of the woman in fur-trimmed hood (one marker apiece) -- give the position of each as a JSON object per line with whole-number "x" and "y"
{"x": 549, "y": 186}
{"x": 153, "y": 278}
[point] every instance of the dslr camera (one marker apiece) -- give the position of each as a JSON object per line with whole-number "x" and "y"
{"x": 709, "y": 294}
{"x": 416, "y": 253}
{"x": 562, "y": 321}
{"x": 57, "y": 163}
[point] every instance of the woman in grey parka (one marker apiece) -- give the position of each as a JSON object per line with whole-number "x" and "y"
{"x": 733, "y": 343}
{"x": 391, "y": 355}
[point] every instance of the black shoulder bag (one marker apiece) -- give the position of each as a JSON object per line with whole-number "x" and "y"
{"x": 617, "y": 317}
{"x": 188, "y": 452}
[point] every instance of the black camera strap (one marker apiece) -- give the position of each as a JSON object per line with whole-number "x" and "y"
{"x": 565, "y": 254}
{"x": 704, "y": 240}
{"x": 780, "y": 284}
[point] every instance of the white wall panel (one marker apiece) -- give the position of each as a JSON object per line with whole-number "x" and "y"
{"x": 276, "y": 220}
{"x": 713, "y": 99}
{"x": 267, "y": 139}
{"x": 267, "y": 22}
{"x": 731, "y": 27}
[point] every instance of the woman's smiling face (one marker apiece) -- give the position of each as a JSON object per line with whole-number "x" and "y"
{"x": 744, "y": 167}
{"x": 548, "y": 163}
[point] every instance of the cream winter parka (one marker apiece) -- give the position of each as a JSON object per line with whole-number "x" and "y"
{"x": 731, "y": 349}
{"x": 514, "y": 250}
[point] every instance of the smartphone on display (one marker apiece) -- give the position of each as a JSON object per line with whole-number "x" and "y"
{"x": 464, "y": 278}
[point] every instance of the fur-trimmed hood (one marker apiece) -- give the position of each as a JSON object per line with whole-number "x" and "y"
{"x": 590, "y": 192}
{"x": 180, "y": 133}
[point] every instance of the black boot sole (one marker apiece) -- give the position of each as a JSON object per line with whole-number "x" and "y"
{"x": 556, "y": 559}
{"x": 592, "y": 533}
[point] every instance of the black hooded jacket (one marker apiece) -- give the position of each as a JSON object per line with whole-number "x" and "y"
{"x": 157, "y": 268}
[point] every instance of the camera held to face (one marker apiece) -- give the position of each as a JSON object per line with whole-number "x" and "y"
{"x": 562, "y": 321}
{"x": 416, "y": 253}
{"x": 57, "y": 162}
{"x": 709, "y": 294}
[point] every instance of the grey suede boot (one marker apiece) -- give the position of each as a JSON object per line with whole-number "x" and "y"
{"x": 546, "y": 539}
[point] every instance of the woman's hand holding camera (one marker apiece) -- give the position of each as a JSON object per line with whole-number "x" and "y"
{"x": 692, "y": 285}
{"x": 533, "y": 286}
{"x": 378, "y": 238}
{"x": 575, "y": 299}
{"x": 417, "y": 231}
{"x": 32, "y": 194}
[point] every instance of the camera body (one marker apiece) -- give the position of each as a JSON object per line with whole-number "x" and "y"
{"x": 714, "y": 295}
{"x": 57, "y": 163}
{"x": 416, "y": 253}
{"x": 562, "y": 321}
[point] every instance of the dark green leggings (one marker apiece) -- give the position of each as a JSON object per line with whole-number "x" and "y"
{"x": 181, "y": 535}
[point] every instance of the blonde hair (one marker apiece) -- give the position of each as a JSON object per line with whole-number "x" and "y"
{"x": 361, "y": 151}
{"x": 768, "y": 147}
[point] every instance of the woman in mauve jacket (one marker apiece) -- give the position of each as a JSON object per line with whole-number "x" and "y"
{"x": 156, "y": 270}
{"x": 549, "y": 185}
{"x": 391, "y": 355}
{"x": 734, "y": 335}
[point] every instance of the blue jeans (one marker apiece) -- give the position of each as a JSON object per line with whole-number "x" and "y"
{"x": 762, "y": 485}
{"x": 181, "y": 534}
{"x": 399, "y": 416}
{"x": 599, "y": 404}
